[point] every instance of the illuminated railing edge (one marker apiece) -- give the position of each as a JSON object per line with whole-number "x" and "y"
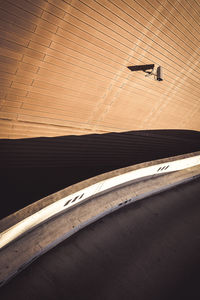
{"x": 80, "y": 196}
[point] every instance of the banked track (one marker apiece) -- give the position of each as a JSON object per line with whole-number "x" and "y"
{"x": 147, "y": 250}
{"x": 39, "y": 227}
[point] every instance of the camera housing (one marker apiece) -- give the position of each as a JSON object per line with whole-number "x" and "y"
{"x": 159, "y": 73}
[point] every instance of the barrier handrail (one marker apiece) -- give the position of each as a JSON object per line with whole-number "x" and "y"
{"x": 82, "y": 195}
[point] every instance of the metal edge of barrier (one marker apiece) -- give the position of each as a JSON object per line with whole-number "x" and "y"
{"x": 103, "y": 186}
{"x": 21, "y": 214}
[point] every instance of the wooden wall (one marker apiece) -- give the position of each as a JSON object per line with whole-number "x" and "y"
{"x": 63, "y": 66}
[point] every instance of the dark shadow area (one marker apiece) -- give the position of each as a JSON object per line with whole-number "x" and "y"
{"x": 36, "y": 167}
{"x": 149, "y": 250}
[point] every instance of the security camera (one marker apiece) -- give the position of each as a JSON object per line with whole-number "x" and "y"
{"x": 157, "y": 73}
{"x": 160, "y": 73}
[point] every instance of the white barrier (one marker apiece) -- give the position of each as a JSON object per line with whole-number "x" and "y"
{"x": 67, "y": 202}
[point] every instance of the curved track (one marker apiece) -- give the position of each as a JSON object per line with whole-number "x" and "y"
{"x": 147, "y": 250}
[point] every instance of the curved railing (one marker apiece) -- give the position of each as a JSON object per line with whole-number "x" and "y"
{"x": 82, "y": 195}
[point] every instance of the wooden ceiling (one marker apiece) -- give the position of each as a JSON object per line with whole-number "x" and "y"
{"x": 63, "y": 66}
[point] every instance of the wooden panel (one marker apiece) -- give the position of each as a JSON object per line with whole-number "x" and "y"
{"x": 64, "y": 63}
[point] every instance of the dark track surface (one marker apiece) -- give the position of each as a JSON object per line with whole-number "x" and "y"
{"x": 36, "y": 167}
{"x": 147, "y": 250}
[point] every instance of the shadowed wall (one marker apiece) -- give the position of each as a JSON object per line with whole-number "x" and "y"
{"x": 34, "y": 168}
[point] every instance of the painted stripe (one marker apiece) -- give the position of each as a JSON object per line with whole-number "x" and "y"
{"x": 65, "y": 203}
